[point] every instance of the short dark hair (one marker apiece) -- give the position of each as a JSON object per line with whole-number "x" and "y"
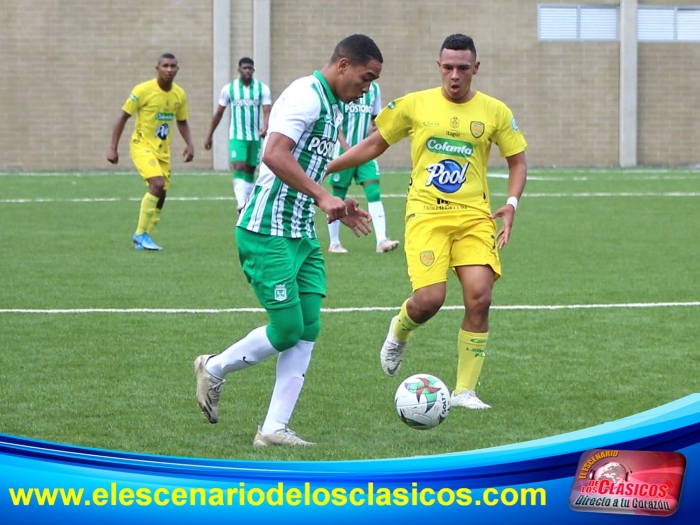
{"x": 459, "y": 42}
{"x": 358, "y": 50}
{"x": 246, "y": 60}
{"x": 166, "y": 55}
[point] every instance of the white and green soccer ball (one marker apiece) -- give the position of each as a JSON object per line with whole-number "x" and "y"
{"x": 422, "y": 401}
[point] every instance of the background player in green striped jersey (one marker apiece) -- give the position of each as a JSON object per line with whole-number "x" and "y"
{"x": 250, "y": 103}
{"x": 277, "y": 243}
{"x": 358, "y": 122}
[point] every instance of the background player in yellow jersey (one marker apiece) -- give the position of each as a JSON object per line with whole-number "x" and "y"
{"x": 449, "y": 223}
{"x": 158, "y": 104}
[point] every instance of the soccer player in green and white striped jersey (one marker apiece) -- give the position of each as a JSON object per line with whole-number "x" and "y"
{"x": 250, "y": 102}
{"x": 277, "y": 244}
{"x": 358, "y": 123}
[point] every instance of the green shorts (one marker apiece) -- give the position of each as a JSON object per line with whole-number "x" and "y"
{"x": 281, "y": 268}
{"x": 247, "y": 151}
{"x": 364, "y": 173}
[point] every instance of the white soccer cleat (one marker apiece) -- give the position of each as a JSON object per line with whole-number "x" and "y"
{"x": 336, "y": 248}
{"x": 208, "y": 389}
{"x": 283, "y": 436}
{"x": 468, "y": 399}
{"x": 391, "y": 354}
{"x": 387, "y": 245}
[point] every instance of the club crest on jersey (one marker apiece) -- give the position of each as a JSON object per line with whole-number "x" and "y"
{"x": 447, "y": 175}
{"x": 477, "y": 129}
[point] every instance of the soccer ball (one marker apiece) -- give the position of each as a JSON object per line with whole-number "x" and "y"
{"x": 422, "y": 401}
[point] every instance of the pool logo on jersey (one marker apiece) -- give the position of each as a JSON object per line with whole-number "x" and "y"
{"x": 447, "y": 175}
{"x": 162, "y": 131}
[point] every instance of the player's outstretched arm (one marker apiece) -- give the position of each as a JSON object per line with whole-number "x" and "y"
{"x": 370, "y": 148}
{"x": 357, "y": 219}
{"x": 278, "y": 157}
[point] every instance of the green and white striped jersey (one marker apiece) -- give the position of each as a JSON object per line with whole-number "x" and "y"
{"x": 246, "y": 107}
{"x": 358, "y": 115}
{"x": 308, "y": 113}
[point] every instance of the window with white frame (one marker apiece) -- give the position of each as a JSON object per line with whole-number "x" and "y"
{"x": 577, "y": 22}
{"x": 590, "y": 22}
{"x": 668, "y": 23}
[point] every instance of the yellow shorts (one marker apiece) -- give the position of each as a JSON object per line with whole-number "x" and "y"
{"x": 148, "y": 165}
{"x": 436, "y": 243}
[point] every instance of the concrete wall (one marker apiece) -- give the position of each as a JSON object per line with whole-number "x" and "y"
{"x": 67, "y": 67}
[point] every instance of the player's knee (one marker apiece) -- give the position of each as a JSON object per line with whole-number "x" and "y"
{"x": 156, "y": 186}
{"x": 372, "y": 191}
{"x": 284, "y": 337}
{"x": 480, "y": 301}
{"x": 311, "y": 330}
{"x": 428, "y": 305}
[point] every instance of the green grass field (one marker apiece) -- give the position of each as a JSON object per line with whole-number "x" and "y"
{"x": 596, "y": 318}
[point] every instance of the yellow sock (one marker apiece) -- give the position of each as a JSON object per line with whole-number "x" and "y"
{"x": 405, "y": 325}
{"x": 470, "y": 352}
{"x": 155, "y": 219}
{"x": 148, "y": 207}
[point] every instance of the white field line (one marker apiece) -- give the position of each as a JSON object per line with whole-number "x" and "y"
{"x": 534, "y": 175}
{"x": 691, "y": 194}
{"x": 335, "y": 310}
{"x": 623, "y": 172}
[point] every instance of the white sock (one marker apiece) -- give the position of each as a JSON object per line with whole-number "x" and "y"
{"x": 291, "y": 367}
{"x": 376, "y": 210}
{"x": 247, "y": 190}
{"x": 239, "y": 191}
{"x": 334, "y": 232}
{"x": 251, "y": 350}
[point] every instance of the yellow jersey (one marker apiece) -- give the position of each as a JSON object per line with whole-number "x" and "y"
{"x": 450, "y": 147}
{"x": 157, "y": 112}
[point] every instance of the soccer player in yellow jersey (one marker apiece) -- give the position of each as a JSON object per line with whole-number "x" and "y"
{"x": 449, "y": 223}
{"x": 158, "y": 104}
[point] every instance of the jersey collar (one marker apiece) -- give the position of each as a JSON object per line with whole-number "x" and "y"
{"x": 329, "y": 93}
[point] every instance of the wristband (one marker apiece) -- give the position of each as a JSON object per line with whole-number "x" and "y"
{"x": 513, "y": 201}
